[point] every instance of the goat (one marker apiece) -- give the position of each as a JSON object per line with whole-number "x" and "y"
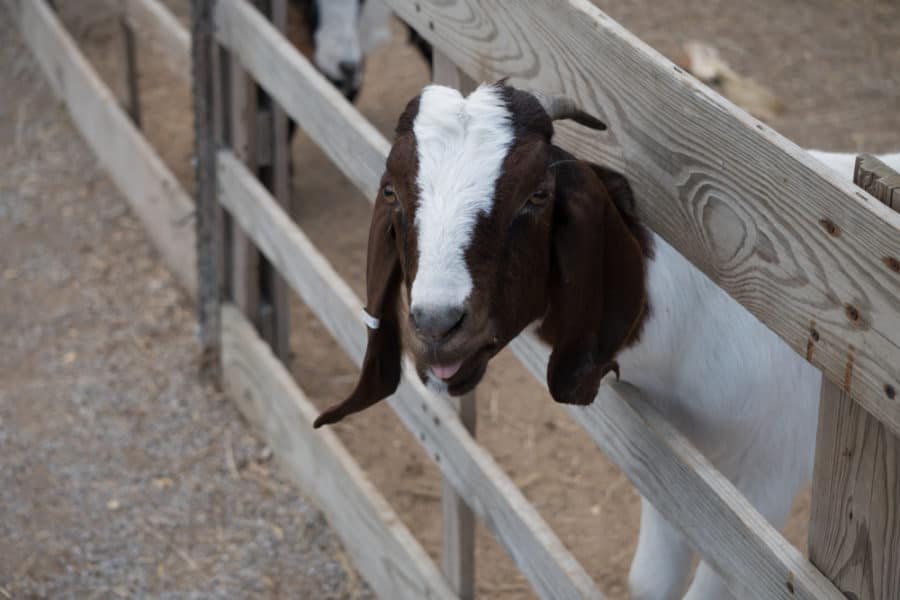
{"x": 488, "y": 227}
{"x": 343, "y": 33}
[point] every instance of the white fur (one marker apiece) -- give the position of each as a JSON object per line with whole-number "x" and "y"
{"x": 461, "y": 145}
{"x": 735, "y": 389}
{"x": 336, "y": 38}
{"x": 347, "y": 33}
{"x": 844, "y": 163}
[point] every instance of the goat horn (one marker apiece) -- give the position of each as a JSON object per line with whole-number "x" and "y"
{"x": 563, "y": 107}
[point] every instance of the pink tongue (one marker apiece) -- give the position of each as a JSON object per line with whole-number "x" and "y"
{"x": 446, "y": 371}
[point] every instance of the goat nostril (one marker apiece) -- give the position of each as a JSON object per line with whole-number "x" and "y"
{"x": 438, "y": 322}
{"x": 348, "y": 68}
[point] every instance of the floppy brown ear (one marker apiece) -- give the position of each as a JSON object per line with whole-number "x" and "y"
{"x": 381, "y": 366}
{"x": 597, "y": 295}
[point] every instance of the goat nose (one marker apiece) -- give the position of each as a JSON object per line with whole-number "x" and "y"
{"x": 348, "y": 68}
{"x": 437, "y": 322}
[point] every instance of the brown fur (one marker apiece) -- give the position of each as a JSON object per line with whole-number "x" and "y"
{"x": 560, "y": 244}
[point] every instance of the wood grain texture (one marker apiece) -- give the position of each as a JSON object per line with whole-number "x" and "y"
{"x": 381, "y": 547}
{"x": 878, "y": 179}
{"x": 244, "y": 277}
{"x": 458, "y": 522}
{"x": 769, "y": 247}
{"x": 854, "y": 530}
{"x": 151, "y": 190}
{"x": 274, "y": 314}
{"x": 469, "y": 468}
{"x": 345, "y": 136}
{"x": 208, "y": 128}
{"x": 750, "y": 555}
{"x": 745, "y": 205}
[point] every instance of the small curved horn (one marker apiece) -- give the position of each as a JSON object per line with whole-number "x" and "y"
{"x": 563, "y": 107}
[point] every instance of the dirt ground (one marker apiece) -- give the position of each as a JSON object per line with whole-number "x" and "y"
{"x": 120, "y": 474}
{"x": 119, "y": 479}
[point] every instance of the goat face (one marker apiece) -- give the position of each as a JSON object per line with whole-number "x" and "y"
{"x": 488, "y": 227}
{"x": 344, "y": 32}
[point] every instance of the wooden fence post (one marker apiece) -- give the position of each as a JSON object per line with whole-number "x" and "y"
{"x": 131, "y": 70}
{"x": 244, "y": 277}
{"x": 273, "y": 171}
{"x": 854, "y": 530}
{"x": 259, "y": 137}
{"x": 458, "y": 546}
{"x": 209, "y": 214}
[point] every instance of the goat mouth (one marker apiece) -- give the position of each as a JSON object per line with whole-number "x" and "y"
{"x": 460, "y": 375}
{"x": 446, "y": 371}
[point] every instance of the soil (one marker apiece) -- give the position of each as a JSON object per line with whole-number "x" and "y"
{"x": 116, "y": 476}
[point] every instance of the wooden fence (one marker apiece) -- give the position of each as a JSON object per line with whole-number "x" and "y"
{"x": 829, "y": 287}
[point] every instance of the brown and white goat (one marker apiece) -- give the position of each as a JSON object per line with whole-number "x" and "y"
{"x": 489, "y": 227}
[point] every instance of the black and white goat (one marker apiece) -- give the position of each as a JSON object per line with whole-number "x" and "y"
{"x": 344, "y": 32}
{"x": 489, "y": 227}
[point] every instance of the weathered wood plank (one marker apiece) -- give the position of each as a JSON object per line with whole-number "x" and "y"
{"x": 785, "y": 237}
{"x": 275, "y": 318}
{"x": 458, "y": 522}
{"x": 208, "y": 121}
{"x": 752, "y": 557}
{"x": 471, "y": 470}
{"x": 258, "y": 135}
{"x": 878, "y": 179}
{"x": 854, "y": 529}
{"x": 748, "y": 273}
{"x": 151, "y": 190}
{"x": 348, "y": 139}
{"x": 381, "y": 547}
{"x": 241, "y": 91}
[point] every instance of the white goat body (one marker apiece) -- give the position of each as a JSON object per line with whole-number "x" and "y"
{"x": 735, "y": 389}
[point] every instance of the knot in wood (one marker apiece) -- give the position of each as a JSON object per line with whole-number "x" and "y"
{"x": 830, "y": 227}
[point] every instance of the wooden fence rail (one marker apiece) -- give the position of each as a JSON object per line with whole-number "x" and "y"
{"x": 381, "y": 547}
{"x": 854, "y": 525}
{"x": 775, "y": 567}
{"x": 784, "y": 236}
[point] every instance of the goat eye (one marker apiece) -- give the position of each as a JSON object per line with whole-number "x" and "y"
{"x": 538, "y": 198}
{"x": 389, "y": 195}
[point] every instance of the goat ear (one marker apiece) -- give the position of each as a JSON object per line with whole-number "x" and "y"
{"x": 597, "y": 295}
{"x": 381, "y": 366}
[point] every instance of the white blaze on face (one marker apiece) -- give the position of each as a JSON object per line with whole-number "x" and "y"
{"x": 461, "y": 145}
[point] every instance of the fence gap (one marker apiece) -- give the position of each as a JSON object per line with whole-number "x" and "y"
{"x": 855, "y": 516}
{"x": 458, "y": 542}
